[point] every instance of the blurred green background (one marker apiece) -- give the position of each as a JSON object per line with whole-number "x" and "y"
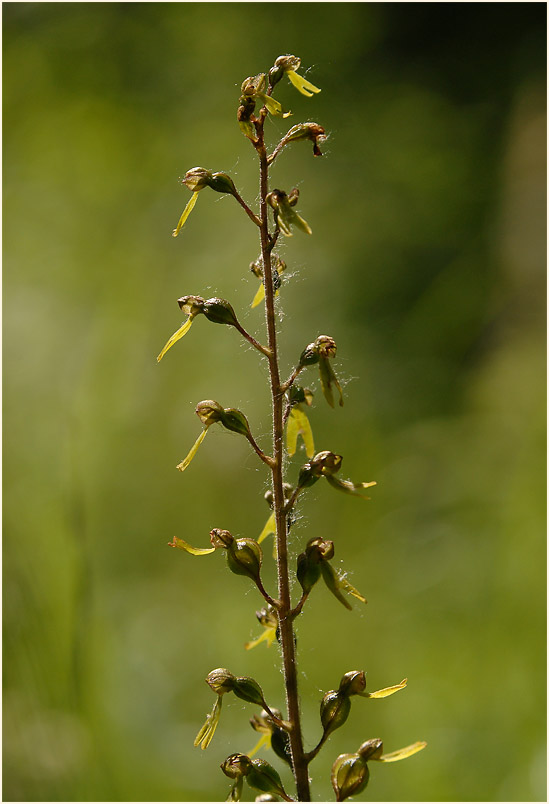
{"x": 427, "y": 265}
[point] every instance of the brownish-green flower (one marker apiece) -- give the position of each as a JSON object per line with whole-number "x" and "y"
{"x": 284, "y": 214}
{"x": 195, "y": 180}
{"x": 350, "y": 773}
{"x": 288, "y": 65}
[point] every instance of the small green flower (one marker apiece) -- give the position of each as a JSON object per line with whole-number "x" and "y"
{"x": 314, "y": 562}
{"x": 210, "y": 412}
{"x": 326, "y": 464}
{"x": 267, "y": 617}
{"x": 284, "y": 214}
{"x": 257, "y": 772}
{"x": 197, "y": 179}
{"x": 278, "y": 266}
{"x": 289, "y": 65}
{"x": 218, "y": 311}
{"x": 298, "y": 422}
{"x": 321, "y": 351}
{"x": 350, "y": 773}
{"x": 273, "y": 736}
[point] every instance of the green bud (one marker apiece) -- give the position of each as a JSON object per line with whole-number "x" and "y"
{"x": 191, "y": 305}
{"x": 235, "y": 420}
{"x": 320, "y": 549}
{"x": 244, "y": 557}
{"x": 263, "y": 776}
{"x": 334, "y": 711}
{"x": 221, "y": 681}
{"x": 371, "y": 749}
{"x": 209, "y": 412}
{"x": 197, "y": 178}
{"x": 353, "y": 682}
{"x": 249, "y": 690}
{"x": 219, "y": 311}
{"x": 306, "y": 476}
{"x": 221, "y": 538}
{"x": 350, "y": 776}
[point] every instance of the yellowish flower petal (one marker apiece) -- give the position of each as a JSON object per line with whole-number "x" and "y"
{"x": 298, "y": 424}
{"x": 186, "y": 212}
{"x": 194, "y": 551}
{"x": 264, "y": 740}
{"x": 384, "y": 693}
{"x": 183, "y": 329}
{"x": 270, "y": 527}
{"x": 402, "y": 753}
{"x": 351, "y": 590}
{"x": 186, "y": 461}
{"x": 268, "y": 636}
{"x": 204, "y": 736}
{"x": 259, "y": 296}
{"x": 292, "y": 430}
{"x": 301, "y": 84}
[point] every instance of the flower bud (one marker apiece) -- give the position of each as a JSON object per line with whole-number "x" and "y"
{"x": 209, "y": 412}
{"x": 371, "y": 749}
{"x": 221, "y": 538}
{"x": 326, "y": 346}
{"x": 221, "y": 680}
{"x": 248, "y": 690}
{"x": 326, "y": 463}
{"x": 197, "y": 178}
{"x": 219, "y": 311}
{"x": 191, "y": 305}
{"x": 236, "y": 765}
{"x": 353, "y": 682}
{"x": 287, "y": 62}
{"x": 350, "y": 775}
{"x": 235, "y": 420}
{"x": 334, "y": 711}
{"x": 244, "y": 558}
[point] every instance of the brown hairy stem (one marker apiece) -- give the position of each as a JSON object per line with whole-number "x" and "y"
{"x": 285, "y": 618}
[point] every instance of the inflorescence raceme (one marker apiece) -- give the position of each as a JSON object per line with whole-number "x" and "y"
{"x": 278, "y": 216}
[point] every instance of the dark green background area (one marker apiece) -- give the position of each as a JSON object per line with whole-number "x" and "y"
{"x": 426, "y": 265}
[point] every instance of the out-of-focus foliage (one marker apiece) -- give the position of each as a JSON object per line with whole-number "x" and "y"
{"x": 426, "y": 265}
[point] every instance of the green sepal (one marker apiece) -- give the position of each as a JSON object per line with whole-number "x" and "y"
{"x": 327, "y": 379}
{"x": 348, "y": 487}
{"x": 332, "y": 581}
